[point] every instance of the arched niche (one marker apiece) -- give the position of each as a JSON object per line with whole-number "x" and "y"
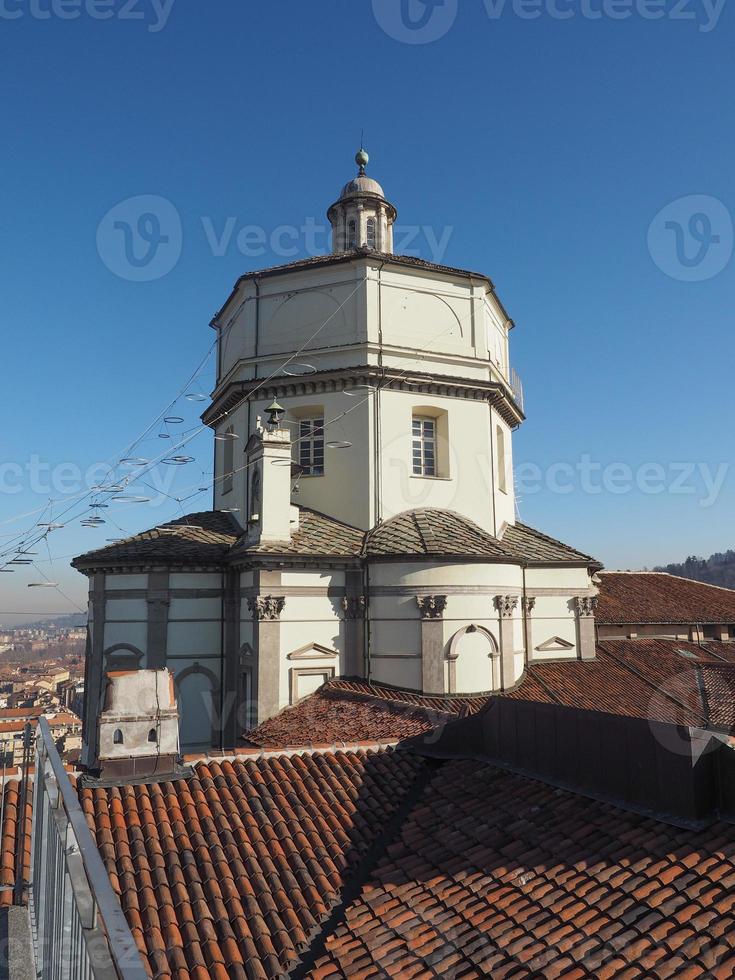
{"x": 123, "y": 656}
{"x": 473, "y": 661}
{"x": 197, "y": 691}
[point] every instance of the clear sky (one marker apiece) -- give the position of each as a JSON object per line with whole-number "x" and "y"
{"x": 538, "y": 141}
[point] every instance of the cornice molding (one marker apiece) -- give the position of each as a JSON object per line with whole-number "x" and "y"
{"x": 235, "y": 393}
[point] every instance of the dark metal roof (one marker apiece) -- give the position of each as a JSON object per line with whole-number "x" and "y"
{"x": 203, "y": 538}
{"x": 429, "y": 532}
{"x": 213, "y": 537}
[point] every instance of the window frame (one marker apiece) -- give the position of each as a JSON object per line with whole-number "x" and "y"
{"x": 314, "y": 444}
{"x": 425, "y": 463}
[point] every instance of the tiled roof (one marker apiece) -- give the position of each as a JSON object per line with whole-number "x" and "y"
{"x": 641, "y": 678}
{"x": 497, "y": 875}
{"x": 531, "y": 546}
{"x": 10, "y": 796}
{"x": 203, "y": 538}
{"x": 229, "y": 874}
{"x": 657, "y": 597}
{"x": 350, "y": 711}
{"x": 428, "y": 531}
{"x": 213, "y": 537}
{"x": 667, "y": 680}
{"x": 338, "y": 258}
{"x": 316, "y": 535}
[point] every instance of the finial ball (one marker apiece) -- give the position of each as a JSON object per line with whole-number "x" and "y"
{"x": 361, "y": 158}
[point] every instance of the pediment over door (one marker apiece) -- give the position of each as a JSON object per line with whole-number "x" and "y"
{"x": 554, "y": 644}
{"x": 312, "y": 651}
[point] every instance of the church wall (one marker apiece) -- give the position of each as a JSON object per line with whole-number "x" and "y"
{"x": 462, "y": 483}
{"x": 326, "y": 304}
{"x": 238, "y": 419}
{"x": 424, "y": 313}
{"x": 130, "y": 633}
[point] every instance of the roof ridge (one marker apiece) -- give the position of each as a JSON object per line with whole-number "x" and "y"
{"x": 422, "y": 539}
{"x": 548, "y": 537}
{"x": 678, "y": 578}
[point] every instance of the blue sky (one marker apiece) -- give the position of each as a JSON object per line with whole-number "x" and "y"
{"x": 544, "y": 148}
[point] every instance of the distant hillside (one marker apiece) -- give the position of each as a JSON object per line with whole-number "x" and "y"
{"x": 65, "y": 621}
{"x": 718, "y": 569}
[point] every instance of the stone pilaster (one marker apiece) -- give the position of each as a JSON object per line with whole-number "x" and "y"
{"x": 586, "y": 605}
{"x": 431, "y": 609}
{"x": 231, "y": 641}
{"x": 354, "y": 607}
{"x": 528, "y": 604}
{"x": 93, "y": 669}
{"x": 158, "y": 605}
{"x": 266, "y": 611}
{"x": 506, "y": 606}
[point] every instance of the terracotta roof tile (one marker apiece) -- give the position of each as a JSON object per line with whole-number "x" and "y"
{"x": 657, "y": 597}
{"x": 353, "y": 711}
{"x": 438, "y": 903}
{"x": 672, "y": 681}
{"x": 203, "y": 884}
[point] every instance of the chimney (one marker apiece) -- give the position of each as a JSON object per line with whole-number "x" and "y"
{"x": 270, "y": 516}
{"x": 137, "y": 729}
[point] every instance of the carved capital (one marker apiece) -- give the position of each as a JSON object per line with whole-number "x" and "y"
{"x": 431, "y": 606}
{"x": 158, "y": 600}
{"x": 354, "y": 606}
{"x": 506, "y": 605}
{"x": 266, "y": 606}
{"x": 528, "y": 602}
{"x": 586, "y": 604}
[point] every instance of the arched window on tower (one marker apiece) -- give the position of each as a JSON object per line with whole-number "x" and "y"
{"x": 371, "y": 233}
{"x": 351, "y": 233}
{"x": 228, "y": 455}
{"x": 117, "y": 737}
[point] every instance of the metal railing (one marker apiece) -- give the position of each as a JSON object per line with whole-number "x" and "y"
{"x": 516, "y": 386}
{"x": 79, "y": 929}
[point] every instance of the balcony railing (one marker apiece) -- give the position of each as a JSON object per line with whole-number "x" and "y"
{"x": 516, "y": 386}
{"x": 79, "y": 929}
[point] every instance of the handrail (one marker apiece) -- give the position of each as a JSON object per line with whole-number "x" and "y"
{"x": 79, "y": 925}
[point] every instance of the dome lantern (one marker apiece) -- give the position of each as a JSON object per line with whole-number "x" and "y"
{"x": 362, "y": 217}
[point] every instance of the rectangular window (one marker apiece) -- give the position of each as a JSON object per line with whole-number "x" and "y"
{"x": 502, "y": 465}
{"x": 228, "y": 467}
{"x": 424, "y": 446}
{"x": 311, "y": 447}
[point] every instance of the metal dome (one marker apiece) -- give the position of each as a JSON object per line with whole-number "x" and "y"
{"x": 361, "y": 185}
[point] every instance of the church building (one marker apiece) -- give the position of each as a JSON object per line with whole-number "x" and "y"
{"x": 364, "y": 519}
